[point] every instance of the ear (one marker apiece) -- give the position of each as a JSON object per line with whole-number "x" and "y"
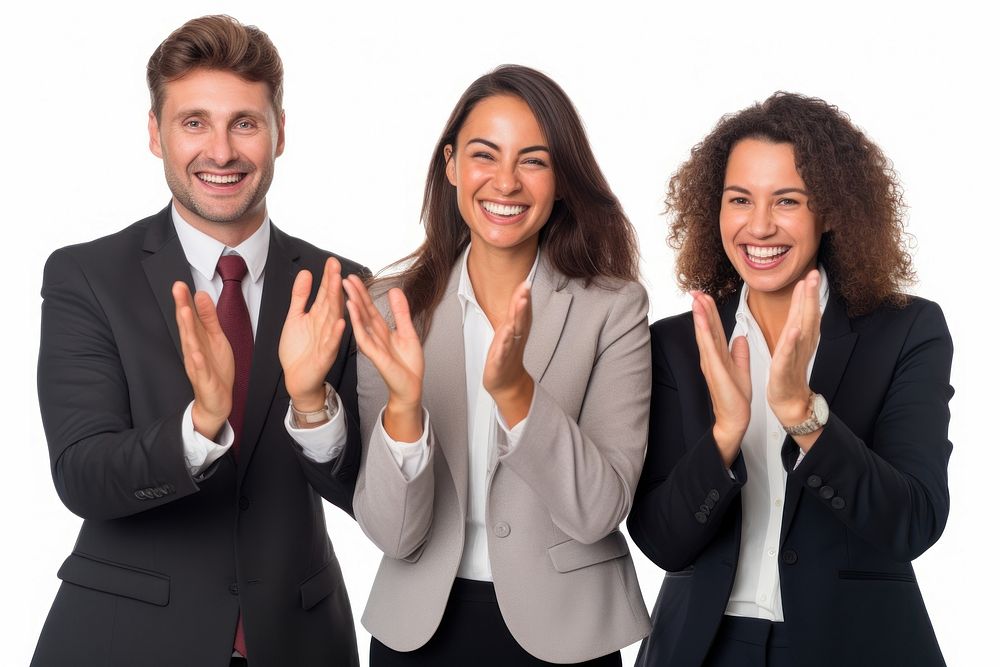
{"x": 154, "y": 136}
{"x": 280, "y": 145}
{"x": 450, "y": 170}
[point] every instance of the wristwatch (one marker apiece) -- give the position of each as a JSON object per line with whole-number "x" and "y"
{"x": 324, "y": 414}
{"x": 819, "y": 413}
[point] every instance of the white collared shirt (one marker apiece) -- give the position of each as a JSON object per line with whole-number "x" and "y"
{"x": 321, "y": 444}
{"x": 757, "y": 591}
{"x": 483, "y": 421}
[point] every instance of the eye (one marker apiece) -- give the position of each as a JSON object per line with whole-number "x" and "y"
{"x": 245, "y": 124}
{"x": 193, "y": 123}
{"x": 482, "y": 155}
{"x": 740, "y": 201}
{"x": 535, "y": 162}
{"x": 787, "y": 201}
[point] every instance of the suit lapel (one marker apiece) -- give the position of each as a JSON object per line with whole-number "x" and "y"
{"x": 279, "y": 274}
{"x": 165, "y": 264}
{"x": 549, "y": 308}
{"x": 444, "y": 354}
{"x": 836, "y": 344}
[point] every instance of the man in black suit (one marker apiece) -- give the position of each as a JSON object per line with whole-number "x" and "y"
{"x": 196, "y": 460}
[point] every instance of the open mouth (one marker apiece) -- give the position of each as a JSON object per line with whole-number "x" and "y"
{"x": 503, "y": 210}
{"x": 220, "y": 179}
{"x": 764, "y": 256}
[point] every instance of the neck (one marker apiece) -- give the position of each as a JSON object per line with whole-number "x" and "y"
{"x": 770, "y": 311}
{"x": 230, "y": 233}
{"x": 496, "y": 272}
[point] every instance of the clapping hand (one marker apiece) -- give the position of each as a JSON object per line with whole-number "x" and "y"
{"x": 504, "y": 376}
{"x": 396, "y": 354}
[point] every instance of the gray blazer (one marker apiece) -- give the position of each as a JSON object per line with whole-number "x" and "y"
{"x": 564, "y": 579}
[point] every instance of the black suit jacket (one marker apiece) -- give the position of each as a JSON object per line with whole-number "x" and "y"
{"x": 164, "y": 562}
{"x": 870, "y": 496}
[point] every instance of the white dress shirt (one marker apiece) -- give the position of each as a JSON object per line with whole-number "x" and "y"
{"x": 483, "y": 421}
{"x": 757, "y": 591}
{"x": 321, "y": 444}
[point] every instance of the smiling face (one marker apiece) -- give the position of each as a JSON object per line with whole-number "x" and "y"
{"x": 502, "y": 170}
{"x": 218, "y": 136}
{"x": 768, "y": 231}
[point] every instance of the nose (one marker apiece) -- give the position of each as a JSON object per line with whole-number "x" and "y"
{"x": 505, "y": 179}
{"x": 220, "y": 148}
{"x": 761, "y": 222}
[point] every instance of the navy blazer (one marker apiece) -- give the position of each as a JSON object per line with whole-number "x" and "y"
{"x": 164, "y": 561}
{"x": 869, "y": 497}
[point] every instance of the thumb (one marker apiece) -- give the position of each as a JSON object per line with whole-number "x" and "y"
{"x": 300, "y": 293}
{"x": 741, "y": 355}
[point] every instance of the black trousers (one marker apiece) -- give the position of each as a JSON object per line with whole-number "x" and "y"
{"x": 750, "y": 642}
{"x": 472, "y": 632}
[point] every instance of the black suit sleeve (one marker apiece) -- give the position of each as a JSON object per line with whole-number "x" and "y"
{"x": 893, "y": 491}
{"x": 103, "y": 467}
{"x": 335, "y": 480}
{"x": 684, "y": 492}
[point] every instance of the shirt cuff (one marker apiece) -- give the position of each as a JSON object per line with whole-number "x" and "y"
{"x": 199, "y": 451}
{"x": 513, "y": 435}
{"x": 323, "y": 443}
{"x": 411, "y": 457}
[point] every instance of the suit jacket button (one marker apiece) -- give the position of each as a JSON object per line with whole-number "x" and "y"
{"x": 501, "y": 529}
{"x": 814, "y": 481}
{"x": 140, "y": 495}
{"x": 701, "y": 517}
{"x": 826, "y": 492}
{"x": 158, "y": 492}
{"x": 234, "y": 589}
{"x": 789, "y": 557}
{"x": 244, "y": 503}
{"x": 709, "y": 503}
{"x": 838, "y": 503}
{"x": 705, "y": 509}
{"x": 714, "y": 495}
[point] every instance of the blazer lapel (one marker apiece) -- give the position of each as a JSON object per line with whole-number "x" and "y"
{"x": 836, "y": 343}
{"x": 444, "y": 354}
{"x": 279, "y": 274}
{"x": 164, "y": 265}
{"x": 549, "y": 308}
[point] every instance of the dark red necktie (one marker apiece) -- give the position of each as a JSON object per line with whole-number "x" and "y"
{"x": 235, "y": 320}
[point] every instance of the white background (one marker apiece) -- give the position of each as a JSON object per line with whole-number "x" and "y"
{"x": 368, "y": 88}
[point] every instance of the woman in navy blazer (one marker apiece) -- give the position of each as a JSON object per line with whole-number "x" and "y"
{"x": 790, "y": 219}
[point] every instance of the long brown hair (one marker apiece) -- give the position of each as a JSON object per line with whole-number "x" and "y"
{"x": 853, "y": 190}
{"x": 587, "y": 236}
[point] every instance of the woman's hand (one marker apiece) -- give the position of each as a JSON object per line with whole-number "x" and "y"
{"x": 396, "y": 354}
{"x": 504, "y": 376}
{"x": 310, "y": 340}
{"x": 788, "y": 387}
{"x": 727, "y": 374}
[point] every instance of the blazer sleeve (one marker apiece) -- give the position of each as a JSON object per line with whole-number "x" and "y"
{"x": 585, "y": 470}
{"x": 395, "y": 513}
{"x": 684, "y": 492}
{"x": 102, "y": 465}
{"x": 893, "y": 490}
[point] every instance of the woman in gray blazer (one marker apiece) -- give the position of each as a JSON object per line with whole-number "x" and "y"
{"x": 506, "y": 405}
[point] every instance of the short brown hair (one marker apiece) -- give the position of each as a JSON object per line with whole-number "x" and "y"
{"x": 853, "y": 191}
{"x": 216, "y": 42}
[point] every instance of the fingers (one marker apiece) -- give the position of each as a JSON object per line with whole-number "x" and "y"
{"x": 300, "y": 293}
{"x": 206, "y": 313}
{"x": 810, "y": 305}
{"x": 400, "y": 308}
{"x": 520, "y": 313}
{"x": 741, "y": 354}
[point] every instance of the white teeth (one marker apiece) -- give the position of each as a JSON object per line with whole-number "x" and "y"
{"x": 503, "y": 209}
{"x": 228, "y": 178}
{"x": 765, "y": 252}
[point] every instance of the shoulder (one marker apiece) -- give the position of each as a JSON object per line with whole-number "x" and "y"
{"x": 917, "y": 318}
{"x": 313, "y": 256}
{"x": 111, "y": 252}
{"x": 614, "y": 294}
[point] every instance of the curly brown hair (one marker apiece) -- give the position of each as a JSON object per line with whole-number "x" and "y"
{"x": 853, "y": 190}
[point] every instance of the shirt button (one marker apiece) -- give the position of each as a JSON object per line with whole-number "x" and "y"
{"x": 502, "y": 529}
{"x": 244, "y": 503}
{"x": 777, "y": 502}
{"x": 771, "y": 552}
{"x": 762, "y": 598}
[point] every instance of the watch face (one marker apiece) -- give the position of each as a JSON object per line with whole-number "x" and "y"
{"x": 820, "y": 409}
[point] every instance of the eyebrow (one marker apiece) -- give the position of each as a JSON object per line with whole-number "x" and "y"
{"x": 204, "y": 113}
{"x": 486, "y": 142}
{"x": 776, "y": 193}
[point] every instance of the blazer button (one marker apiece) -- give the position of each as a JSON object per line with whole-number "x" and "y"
{"x": 158, "y": 492}
{"x": 244, "y": 503}
{"x": 709, "y": 502}
{"x": 701, "y": 517}
{"x": 140, "y": 495}
{"x": 789, "y": 557}
{"x": 501, "y": 529}
{"x": 705, "y": 509}
{"x": 826, "y": 492}
{"x": 714, "y": 495}
{"x": 169, "y": 488}
{"x": 838, "y": 503}
{"x": 814, "y": 481}
{"x": 234, "y": 589}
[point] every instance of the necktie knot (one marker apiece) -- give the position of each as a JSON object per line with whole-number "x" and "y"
{"x": 231, "y": 267}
